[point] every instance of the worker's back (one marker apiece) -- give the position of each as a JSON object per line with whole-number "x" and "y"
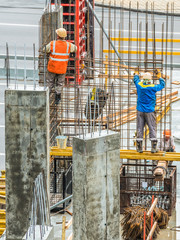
{"x": 59, "y": 57}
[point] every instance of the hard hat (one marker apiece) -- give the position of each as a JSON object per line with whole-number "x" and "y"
{"x": 61, "y": 32}
{"x": 147, "y": 76}
{"x": 167, "y": 132}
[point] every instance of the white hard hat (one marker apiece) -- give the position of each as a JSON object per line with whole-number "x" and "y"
{"x": 147, "y": 76}
{"x": 61, "y": 32}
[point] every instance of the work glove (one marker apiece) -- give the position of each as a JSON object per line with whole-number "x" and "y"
{"x": 158, "y": 73}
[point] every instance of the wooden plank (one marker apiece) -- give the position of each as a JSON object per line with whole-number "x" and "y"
{"x": 176, "y": 82}
{"x": 70, "y": 213}
{"x": 67, "y": 226}
{"x": 158, "y": 101}
{"x": 127, "y": 67}
{"x": 70, "y": 236}
{"x": 63, "y": 228}
{"x": 152, "y": 231}
{"x": 152, "y": 207}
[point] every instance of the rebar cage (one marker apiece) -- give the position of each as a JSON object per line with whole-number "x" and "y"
{"x": 105, "y": 98}
{"x": 137, "y": 185}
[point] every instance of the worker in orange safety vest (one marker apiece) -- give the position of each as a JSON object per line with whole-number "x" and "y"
{"x": 58, "y": 60}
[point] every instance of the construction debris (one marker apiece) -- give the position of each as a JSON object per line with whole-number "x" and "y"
{"x": 133, "y": 222}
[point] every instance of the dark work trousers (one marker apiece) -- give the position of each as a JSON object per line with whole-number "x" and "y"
{"x": 149, "y": 119}
{"x": 56, "y": 81}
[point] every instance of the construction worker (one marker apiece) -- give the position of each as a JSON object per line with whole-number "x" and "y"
{"x": 58, "y": 60}
{"x": 167, "y": 142}
{"x": 146, "y": 101}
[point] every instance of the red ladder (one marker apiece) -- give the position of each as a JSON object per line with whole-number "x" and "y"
{"x": 80, "y": 38}
{"x": 74, "y": 21}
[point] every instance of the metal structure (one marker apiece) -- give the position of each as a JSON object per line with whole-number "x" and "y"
{"x": 106, "y": 99}
{"x": 99, "y": 92}
{"x": 138, "y": 185}
{"x": 60, "y": 179}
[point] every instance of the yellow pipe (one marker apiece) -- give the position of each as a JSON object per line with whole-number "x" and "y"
{"x": 147, "y": 155}
{"x": 3, "y": 173}
{"x": 2, "y": 214}
{"x": 2, "y": 230}
{"x": 142, "y": 52}
{"x": 133, "y": 154}
{"x": 2, "y": 223}
{"x": 144, "y": 40}
{"x": 2, "y": 199}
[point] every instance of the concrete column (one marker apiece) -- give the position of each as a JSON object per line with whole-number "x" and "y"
{"x": 27, "y": 153}
{"x": 96, "y": 187}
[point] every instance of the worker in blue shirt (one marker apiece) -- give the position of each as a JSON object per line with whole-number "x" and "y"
{"x": 146, "y": 102}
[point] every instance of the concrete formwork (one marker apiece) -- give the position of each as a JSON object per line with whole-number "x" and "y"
{"x": 96, "y": 187}
{"x": 27, "y": 153}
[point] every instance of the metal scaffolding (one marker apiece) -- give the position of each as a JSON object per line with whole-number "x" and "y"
{"x": 105, "y": 97}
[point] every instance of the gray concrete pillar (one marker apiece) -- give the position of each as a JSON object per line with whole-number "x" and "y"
{"x": 27, "y": 153}
{"x": 96, "y": 187}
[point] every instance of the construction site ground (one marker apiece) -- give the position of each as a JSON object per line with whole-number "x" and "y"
{"x": 160, "y": 6}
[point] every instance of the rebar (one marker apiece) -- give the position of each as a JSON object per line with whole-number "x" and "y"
{"x": 76, "y": 113}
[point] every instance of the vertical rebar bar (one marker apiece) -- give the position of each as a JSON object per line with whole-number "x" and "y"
{"x": 15, "y": 67}
{"x": 25, "y": 67}
{"x": 34, "y": 69}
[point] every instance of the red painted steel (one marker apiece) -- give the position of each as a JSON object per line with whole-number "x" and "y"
{"x": 152, "y": 213}
{"x": 74, "y": 20}
{"x": 80, "y": 38}
{"x": 144, "y": 236}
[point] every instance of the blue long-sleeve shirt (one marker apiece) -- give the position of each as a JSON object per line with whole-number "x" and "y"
{"x": 146, "y": 93}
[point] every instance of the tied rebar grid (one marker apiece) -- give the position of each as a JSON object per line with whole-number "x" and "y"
{"x": 124, "y": 40}
{"x": 40, "y": 213}
{"x": 14, "y": 63}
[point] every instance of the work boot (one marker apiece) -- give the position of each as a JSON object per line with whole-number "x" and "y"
{"x": 139, "y": 146}
{"x": 57, "y": 98}
{"x": 154, "y": 146}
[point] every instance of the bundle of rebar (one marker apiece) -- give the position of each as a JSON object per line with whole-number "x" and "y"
{"x": 133, "y": 222}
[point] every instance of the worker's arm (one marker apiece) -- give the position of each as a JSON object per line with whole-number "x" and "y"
{"x": 136, "y": 79}
{"x": 161, "y": 85}
{"x": 73, "y": 48}
{"x": 47, "y": 48}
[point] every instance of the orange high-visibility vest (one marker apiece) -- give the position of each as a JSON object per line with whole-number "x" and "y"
{"x": 59, "y": 56}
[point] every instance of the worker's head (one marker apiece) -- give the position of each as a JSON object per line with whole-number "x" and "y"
{"x": 147, "y": 77}
{"x": 167, "y": 133}
{"x": 62, "y": 33}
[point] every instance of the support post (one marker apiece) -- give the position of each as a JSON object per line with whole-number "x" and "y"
{"x": 96, "y": 186}
{"x": 27, "y": 153}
